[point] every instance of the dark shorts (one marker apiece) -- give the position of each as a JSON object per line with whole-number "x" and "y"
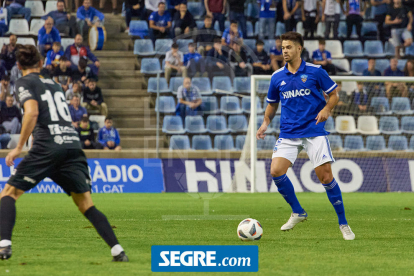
{"x": 66, "y": 167}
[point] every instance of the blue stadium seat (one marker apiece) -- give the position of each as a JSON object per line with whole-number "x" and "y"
{"x": 389, "y": 125}
{"x": 250, "y": 43}
{"x": 175, "y": 82}
{"x": 382, "y": 64}
{"x": 358, "y": 66}
{"x": 335, "y": 141}
{"x": 268, "y": 143}
{"x": 241, "y": 85}
{"x": 401, "y": 106}
{"x": 259, "y": 121}
{"x": 162, "y": 46}
{"x": 330, "y": 125}
{"x": 246, "y": 105}
{"x": 222, "y": 83}
{"x": 150, "y": 66}
{"x": 152, "y": 85}
{"x": 354, "y": 143}
{"x": 353, "y": 48}
{"x": 411, "y": 143}
{"x": 389, "y": 49}
{"x": 381, "y": 105}
{"x": 138, "y": 28}
{"x": 195, "y": 124}
{"x": 201, "y": 142}
{"x": 409, "y": 51}
{"x": 203, "y": 85}
{"x": 223, "y": 142}
{"x": 373, "y": 48}
{"x": 401, "y": 64}
{"x": 230, "y": 105}
{"x": 269, "y": 44}
{"x": 407, "y": 124}
{"x": 179, "y": 142}
{"x": 217, "y": 26}
{"x": 216, "y": 124}
{"x": 143, "y": 47}
{"x": 263, "y": 86}
{"x": 256, "y": 28}
{"x": 166, "y": 103}
{"x": 249, "y": 27}
{"x": 369, "y": 29}
{"x": 237, "y": 123}
{"x": 173, "y": 125}
{"x": 397, "y": 143}
{"x": 280, "y": 29}
{"x": 240, "y": 139}
{"x": 376, "y": 142}
{"x": 196, "y": 9}
{"x": 200, "y": 24}
{"x": 210, "y": 105}
{"x": 183, "y": 45}
{"x": 275, "y": 124}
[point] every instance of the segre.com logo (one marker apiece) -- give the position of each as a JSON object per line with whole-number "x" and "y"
{"x": 205, "y": 258}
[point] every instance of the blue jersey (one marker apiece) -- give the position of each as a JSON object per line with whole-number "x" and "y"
{"x": 318, "y": 55}
{"x": 229, "y": 36}
{"x": 267, "y": 8}
{"x": 301, "y": 97}
{"x": 275, "y": 51}
{"x": 160, "y": 20}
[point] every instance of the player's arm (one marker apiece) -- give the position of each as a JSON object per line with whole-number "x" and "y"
{"x": 326, "y": 111}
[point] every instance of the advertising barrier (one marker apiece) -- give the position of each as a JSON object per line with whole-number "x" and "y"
{"x": 353, "y": 174}
{"x": 108, "y": 176}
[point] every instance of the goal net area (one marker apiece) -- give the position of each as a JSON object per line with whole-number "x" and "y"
{"x": 371, "y": 137}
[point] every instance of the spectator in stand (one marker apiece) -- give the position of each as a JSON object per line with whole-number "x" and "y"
{"x": 10, "y": 115}
{"x": 159, "y": 23}
{"x": 331, "y": 15}
{"x": 75, "y": 90}
{"x": 310, "y": 17}
{"x": 355, "y": 10}
{"x": 216, "y": 60}
{"x": 232, "y": 34}
{"x": 276, "y": 55}
{"x": 77, "y": 51}
{"x": 15, "y": 74}
{"x": 3, "y": 22}
{"x": 7, "y": 89}
{"x": 196, "y": 66}
{"x": 108, "y": 136}
{"x": 400, "y": 20}
{"x": 392, "y": 89}
{"x": 17, "y": 8}
{"x": 267, "y": 18}
{"x": 8, "y": 53}
{"x": 88, "y": 16}
{"x": 290, "y": 8}
{"x": 114, "y": 6}
{"x": 323, "y": 57}
{"x": 174, "y": 62}
{"x": 77, "y": 112}
{"x": 206, "y": 36}
{"x": 379, "y": 9}
{"x": 82, "y": 72}
{"x": 64, "y": 22}
{"x": 216, "y": 9}
{"x": 46, "y": 36}
{"x": 62, "y": 74}
{"x": 183, "y": 22}
{"x": 371, "y": 71}
{"x": 174, "y": 6}
{"x": 87, "y": 135}
{"x": 53, "y": 56}
{"x": 261, "y": 60}
{"x": 239, "y": 62}
{"x": 409, "y": 72}
{"x": 134, "y": 8}
{"x": 189, "y": 100}
{"x": 152, "y": 6}
{"x": 360, "y": 100}
{"x": 237, "y": 14}
{"x": 93, "y": 99}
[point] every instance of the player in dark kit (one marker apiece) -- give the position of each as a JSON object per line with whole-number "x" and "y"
{"x": 56, "y": 153}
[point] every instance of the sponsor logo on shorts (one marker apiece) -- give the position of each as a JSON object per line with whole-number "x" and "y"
{"x": 65, "y": 139}
{"x": 58, "y": 139}
{"x": 324, "y": 156}
{"x": 28, "y": 179}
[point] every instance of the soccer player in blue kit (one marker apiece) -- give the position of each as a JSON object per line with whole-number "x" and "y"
{"x": 300, "y": 86}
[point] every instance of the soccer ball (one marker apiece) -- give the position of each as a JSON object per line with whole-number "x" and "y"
{"x": 249, "y": 230}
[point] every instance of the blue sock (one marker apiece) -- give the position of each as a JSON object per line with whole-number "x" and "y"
{"x": 286, "y": 189}
{"x": 335, "y": 197}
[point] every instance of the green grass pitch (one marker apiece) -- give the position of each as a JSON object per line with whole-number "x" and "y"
{"x": 52, "y": 238}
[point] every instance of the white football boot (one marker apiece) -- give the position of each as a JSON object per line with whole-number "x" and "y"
{"x": 294, "y": 219}
{"x": 347, "y": 232}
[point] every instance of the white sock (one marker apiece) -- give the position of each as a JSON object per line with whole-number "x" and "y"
{"x": 4, "y": 243}
{"x": 116, "y": 250}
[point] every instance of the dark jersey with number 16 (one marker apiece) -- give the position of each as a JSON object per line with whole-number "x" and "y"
{"x": 54, "y": 124}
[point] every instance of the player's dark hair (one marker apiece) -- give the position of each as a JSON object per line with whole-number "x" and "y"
{"x": 5, "y": 78}
{"x": 108, "y": 118}
{"x": 57, "y": 44}
{"x": 83, "y": 63}
{"x": 27, "y": 56}
{"x": 174, "y": 46}
{"x": 293, "y": 36}
{"x": 234, "y": 22}
{"x": 322, "y": 42}
{"x": 85, "y": 119}
{"x": 259, "y": 42}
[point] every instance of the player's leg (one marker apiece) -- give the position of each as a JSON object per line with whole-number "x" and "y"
{"x": 284, "y": 155}
{"x": 101, "y": 224}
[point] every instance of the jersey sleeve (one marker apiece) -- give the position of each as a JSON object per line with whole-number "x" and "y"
{"x": 273, "y": 93}
{"x": 325, "y": 82}
{"x": 25, "y": 91}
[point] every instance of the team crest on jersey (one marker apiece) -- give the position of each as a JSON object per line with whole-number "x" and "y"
{"x": 304, "y": 78}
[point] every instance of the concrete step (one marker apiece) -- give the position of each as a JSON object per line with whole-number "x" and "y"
{"x": 112, "y": 28}
{"x": 139, "y": 112}
{"x": 118, "y": 44}
{"x": 126, "y": 102}
{"x": 125, "y": 83}
{"x": 107, "y": 73}
{"x": 135, "y": 122}
{"x": 117, "y": 65}
{"x": 133, "y": 132}
{"x": 115, "y": 54}
{"x": 142, "y": 142}
{"x": 125, "y": 93}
